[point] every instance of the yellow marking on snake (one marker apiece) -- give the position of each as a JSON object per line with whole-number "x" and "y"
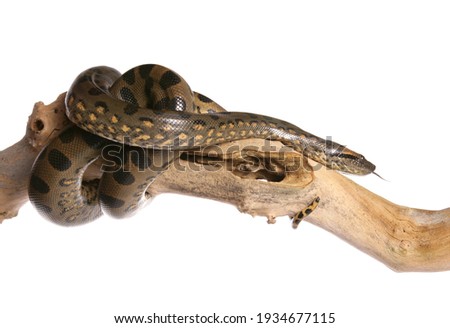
{"x": 148, "y": 124}
{"x": 100, "y": 109}
{"x": 80, "y": 106}
{"x": 198, "y": 127}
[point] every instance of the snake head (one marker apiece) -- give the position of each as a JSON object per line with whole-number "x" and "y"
{"x": 349, "y": 161}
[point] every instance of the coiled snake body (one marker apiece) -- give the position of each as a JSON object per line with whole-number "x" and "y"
{"x": 149, "y": 107}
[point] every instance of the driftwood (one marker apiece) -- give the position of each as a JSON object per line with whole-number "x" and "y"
{"x": 266, "y": 182}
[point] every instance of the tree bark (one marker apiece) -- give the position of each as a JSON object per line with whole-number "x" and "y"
{"x": 266, "y": 182}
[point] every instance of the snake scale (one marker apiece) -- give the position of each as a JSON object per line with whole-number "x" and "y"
{"x": 152, "y": 111}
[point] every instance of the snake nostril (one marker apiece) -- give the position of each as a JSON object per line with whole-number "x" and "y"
{"x": 38, "y": 125}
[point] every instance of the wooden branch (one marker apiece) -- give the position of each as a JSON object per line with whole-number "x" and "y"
{"x": 403, "y": 238}
{"x": 271, "y": 184}
{"x": 16, "y": 161}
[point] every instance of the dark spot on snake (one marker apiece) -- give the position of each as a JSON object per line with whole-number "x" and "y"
{"x": 204, "y": 98}
{"x": 178, "y": 104}
{"x": 95, "y": 92}
{"x": 148, "y": 87}
{"x": 110, "y": 201}
{"x": 144, "y": 70}
{"x": 39, "y": 185}
{"x": 200, "y": 122}
{"x": 169, "y": 79}
{"x": 102, "y": 104}
{"x": 164, "y": 103}
{"x": 146, "y": 119}
{"x": 93, "y": 141}
{"x": 129, "y": 77}
{"x": 68, "y": 135}
{"x": 130, "y": 109}
{"x": 185, "y": 115}
{"x": 127, "y": 95}
{"x": 123, "y": 177}
{"x": 308, "y": 211}
{"x": 251, "y": 115}
{"x": 58, "y": 160}
{"x": 85, "y": 77}
{"x": 140, "y": 158}
{"x": 300, "y": 215}
{"x": 214, "y": 117}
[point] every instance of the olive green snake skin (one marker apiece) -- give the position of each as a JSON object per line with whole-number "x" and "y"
{"x": 153, "y": 112}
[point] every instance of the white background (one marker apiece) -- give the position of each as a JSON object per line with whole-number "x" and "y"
{"x": 373, "y": 75}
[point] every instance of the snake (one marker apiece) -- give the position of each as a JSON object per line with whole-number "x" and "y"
{"x": 138, "y": 123}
